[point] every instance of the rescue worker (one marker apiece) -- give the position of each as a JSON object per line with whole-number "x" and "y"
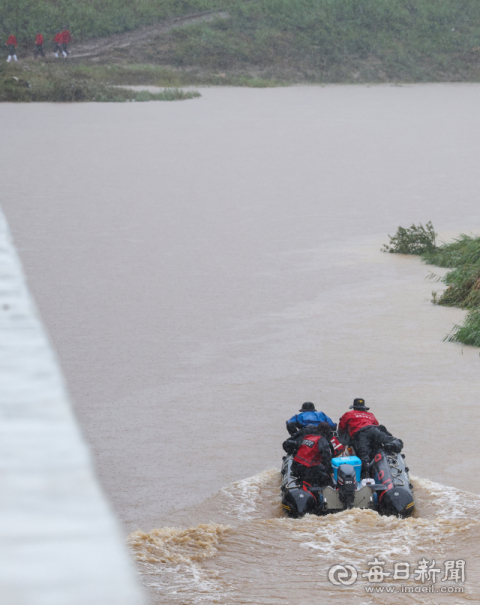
{"x": 39, "y": 45}
{"x": 57, "y": 42}
{"x": 308, "y": 415}
{"x": 11, "y": 45}
{"x": 292, "y": 444}
{"x": 313, "y": 460}
{"x": 361, "y": 429}
{"x": 66, "y": 39}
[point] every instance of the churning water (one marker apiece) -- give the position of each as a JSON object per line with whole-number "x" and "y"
{"x": 256, "y": 555}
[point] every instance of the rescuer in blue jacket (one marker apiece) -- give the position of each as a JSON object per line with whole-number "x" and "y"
{"x": 308, "y": 415}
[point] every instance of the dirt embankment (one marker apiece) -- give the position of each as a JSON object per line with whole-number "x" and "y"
{"x": 102, "y": 48}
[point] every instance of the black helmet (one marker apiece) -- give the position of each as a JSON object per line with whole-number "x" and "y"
{"x": 324, "y": 429}
{"x": 359, "y": 404}
{"x": 308, "y": 406}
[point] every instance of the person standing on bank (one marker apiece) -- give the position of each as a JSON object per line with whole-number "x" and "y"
{"x": 39, "y": 45}
{"x": 362, "y": 430}
{"x": 57, "y": 41}
{"x": 66, "y": 39}
{"x": 11, "y": 45}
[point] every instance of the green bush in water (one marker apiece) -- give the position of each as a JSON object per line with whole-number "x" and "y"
{"x": 414, "y": 240}
{"x": 469, "y": 333}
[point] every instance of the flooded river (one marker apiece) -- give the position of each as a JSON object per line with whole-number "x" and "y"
{"x": 205, "y": 267}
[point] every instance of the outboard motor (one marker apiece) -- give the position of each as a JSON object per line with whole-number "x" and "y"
{"x": 299, "y": 502}
{"x": 346, "y": 484}
{"x": 298, "y": 499}
{"x": 389, "y": 470}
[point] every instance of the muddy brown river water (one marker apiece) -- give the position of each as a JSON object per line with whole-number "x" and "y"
{"x": 203, "y": 268}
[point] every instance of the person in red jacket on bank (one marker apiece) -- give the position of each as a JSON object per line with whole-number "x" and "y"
{"x": 39, "y": 45}
{"x": 11, "y": 45}
{"x": 365, "y": 434}
{"x": 57, "y": 42}
{"x": 66, "y": 39}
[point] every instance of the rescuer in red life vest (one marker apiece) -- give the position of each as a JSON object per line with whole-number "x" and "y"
{"x": 364, "y": 433}
{"x": 292, "y": 444}
{"x": 313, "y": 460}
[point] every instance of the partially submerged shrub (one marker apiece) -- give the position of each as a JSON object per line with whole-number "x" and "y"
{"x": 469, "y": 333}
{"x": 463, "y": 288}
{"x": 168, "y": 94}
{"x": 465, "y": 250}
{"x": 463, "y": 257}
{"x": 414, "y": 240}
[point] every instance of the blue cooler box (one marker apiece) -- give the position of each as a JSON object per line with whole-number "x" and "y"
{"x": 353, "y": 460}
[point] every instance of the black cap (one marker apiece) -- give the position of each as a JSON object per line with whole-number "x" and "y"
{"x": 308, "y": 406}
{"x": 359, "y": 404}
{"x": 324, "y": 429}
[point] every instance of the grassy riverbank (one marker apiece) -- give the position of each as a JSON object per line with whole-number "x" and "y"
{"x": 463, "y": 281}
{"x": 335, "y": 40}
{"x": 463, "y": 257}
{"x": 270, "y": 40}
{"x": 59, "y": 83}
